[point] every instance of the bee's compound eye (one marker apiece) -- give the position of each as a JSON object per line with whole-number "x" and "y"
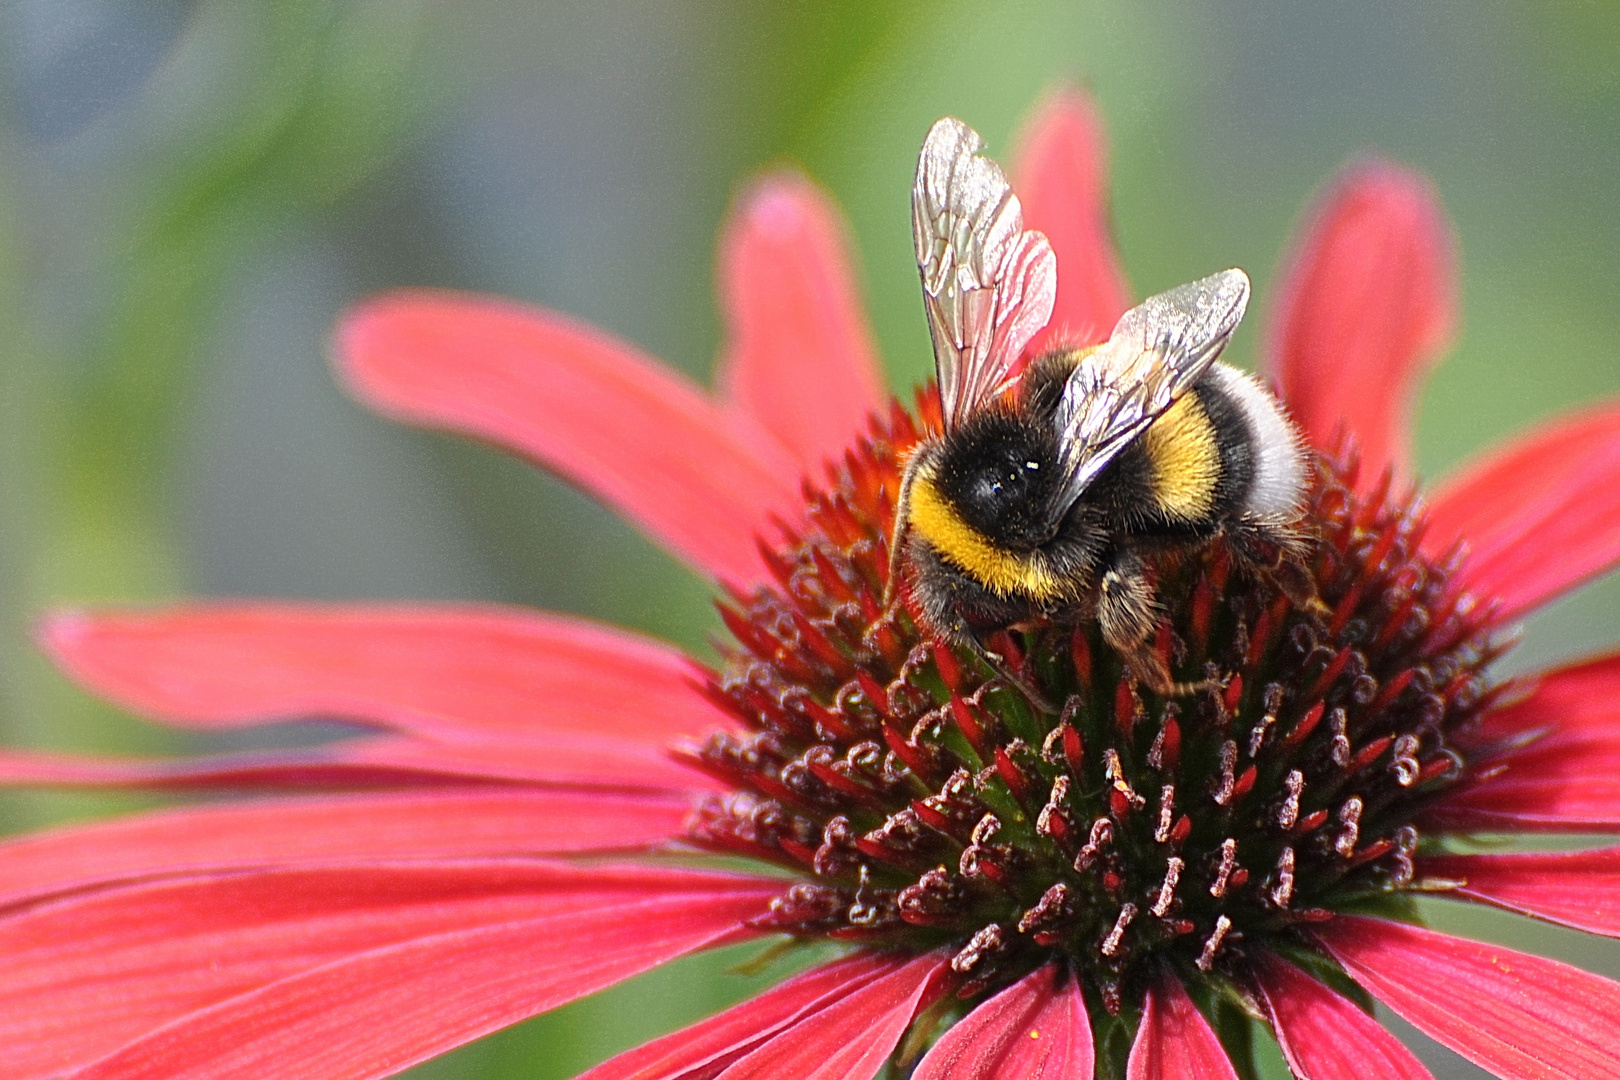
{"x": 1005, "y": 480}
{"x": 1021, "y": 474}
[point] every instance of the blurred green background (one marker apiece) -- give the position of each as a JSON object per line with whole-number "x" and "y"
{"x": 190, "y": 193}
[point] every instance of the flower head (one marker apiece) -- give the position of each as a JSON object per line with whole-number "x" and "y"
{"x": 1112, "y": 886}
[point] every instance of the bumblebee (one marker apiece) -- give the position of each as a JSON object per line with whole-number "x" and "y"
{"x": 1052, "y": 487}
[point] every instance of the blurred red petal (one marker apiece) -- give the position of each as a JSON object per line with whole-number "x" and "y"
{"x": 1061, "y": 180}
{"x": 427, "y": 825}
{"x": 1174, "y": 1041}
{"x": 337, "y": 766}
{"x": 450, "y": 672}
{"x": 799, "y": 358}
{"x": 629, "y": 430}
{"x": 1325, "y": 1036}
{"x": 86, "y": 975}
{"x": 1061, "y": 177}
{"x": 707, "y": 1047}
{"x": 1522, "y": 1017}
{"x": 579, "y": 760}
{"x": 1366, "y": 304}
{"x": 1035, "y": 1029}
{"x": 1573, "y": 888}
{"x": 851, "y": 1038}
{"x": 1539, "y": 515}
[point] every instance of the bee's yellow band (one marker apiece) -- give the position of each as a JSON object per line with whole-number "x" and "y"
{"x": 1002, "y": 572}
{"x": 1186, "y": 460}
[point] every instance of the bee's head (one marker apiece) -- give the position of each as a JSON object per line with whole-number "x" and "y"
{"x": 1000, "y": 473}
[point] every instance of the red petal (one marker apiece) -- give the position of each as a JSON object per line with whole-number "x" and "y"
{"x": 1061, "y": 177}
{"x": 374, "y": 1014}
{"x": 450, "y": 672}
{"x": 1540, "y": 515}
{"x": 1325, "y": 1036}
{"x": 1573, "y": 888}
{"x": 704, "y": 1049}
{"x": 86, "y": 975}
{"x": 582, "y": 760}
{"x": 624, "y": 427}
{"x": 369, "y": 763}
{"x": 1573, "y": 786}
{"x": 1174, "y": 1041}
{"x": 1522, "y": 1017}
{"x": 1366, "y": 305}
{"x": 1567, "y": 778}
{"x": 428, "y": 825}
{"x": 1560, "y": 791}
{"x": 340, "y": 765}
{"x": 799, "y": 359}
{"x": 1035, "y": 1029}
{"x": 1567, "y": 705}
{"x": 853, "y": 1037}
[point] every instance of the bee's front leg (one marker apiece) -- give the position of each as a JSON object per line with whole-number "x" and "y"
{"x": 1127, "y": 615}
{"x": 956, "y": 631}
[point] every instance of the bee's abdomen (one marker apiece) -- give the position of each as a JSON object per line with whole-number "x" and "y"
{"x": 1223, "y": 452}
{"x": 1260, "y": 448}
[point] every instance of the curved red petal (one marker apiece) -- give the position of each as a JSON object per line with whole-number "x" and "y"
{"x": 1035, "y": 1029}
{"x": 448, "y": 824}
{"x": 1522, "y": 1017}
{"x": 1540, "y": 515}
{"x": 87, "y": 975}
{"x": 448, "y": 672}
{"x": 851, "y": 1038}
{"x": 1174, "y": 1041}
{"x": 1580, "y": 889}
{"x": 799, "y": 359}
{"x": 624, "y": 427}
{"x": 1366, "y": 304}
{"x": 1061, "y": 176}
{"x": 707, "y": 1047}
{"x": 1323, "y": 1035}
{"x": 574, "y": 760}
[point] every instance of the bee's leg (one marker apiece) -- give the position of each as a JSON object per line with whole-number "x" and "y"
{"x": 1005, "y": 671}
{"x": 956, "y": 631}
{"x": 1127, "y": 615}
{"x": 1279, "y": 556}
{"x": 897, "y": 538}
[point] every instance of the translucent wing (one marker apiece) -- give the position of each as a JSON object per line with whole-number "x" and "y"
{"x": 1158, "y": 350}
{"x": 988, "y": 283}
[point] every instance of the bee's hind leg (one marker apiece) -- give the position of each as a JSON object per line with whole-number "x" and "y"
{"x": 1279, "y": 556}
{"x": 1127, "y": 615}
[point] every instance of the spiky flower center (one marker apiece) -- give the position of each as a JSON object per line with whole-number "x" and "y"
{"x": 924, "y": 801}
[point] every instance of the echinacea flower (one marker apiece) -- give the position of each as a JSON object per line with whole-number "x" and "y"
{"x": 1113, "y": 890}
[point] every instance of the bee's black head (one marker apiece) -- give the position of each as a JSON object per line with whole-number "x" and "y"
{"x": 1000, "y": 473}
